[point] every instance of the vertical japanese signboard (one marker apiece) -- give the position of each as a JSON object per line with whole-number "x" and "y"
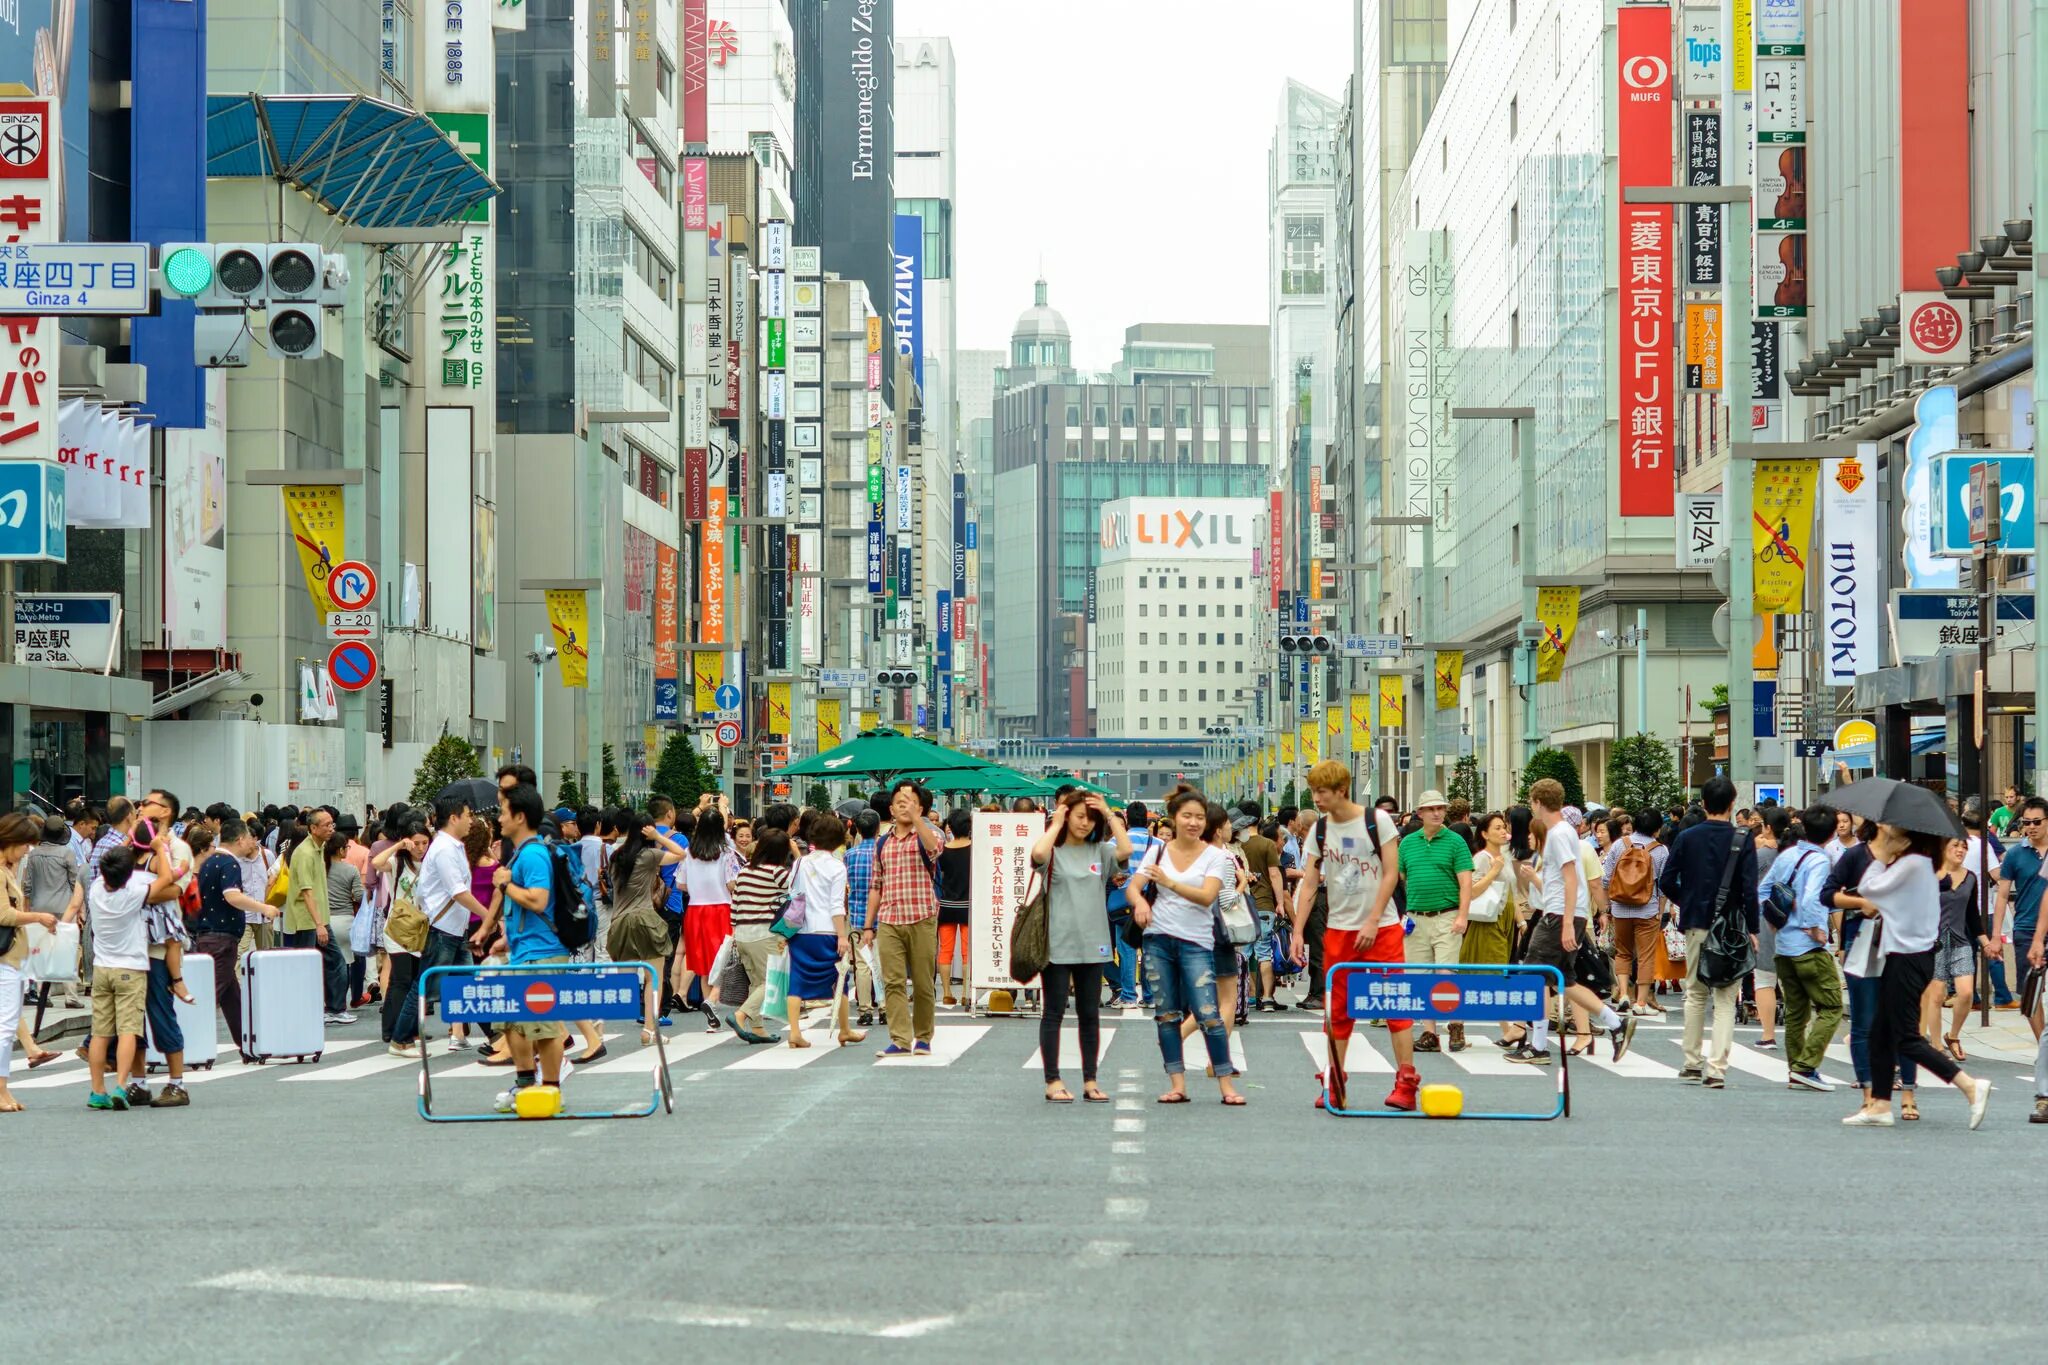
{"x": 28, "y": 346}
{"x": 1644, "y": 113}
{"x": 667, "y": 667}
{"x": 1702, "y": 221}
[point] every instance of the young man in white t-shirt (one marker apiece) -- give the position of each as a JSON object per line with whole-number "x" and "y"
{"x": 1354, "y": 854}
{"x": 1563, "y": 921}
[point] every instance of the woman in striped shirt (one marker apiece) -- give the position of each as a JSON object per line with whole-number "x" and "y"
{"x": 758, "y": 895}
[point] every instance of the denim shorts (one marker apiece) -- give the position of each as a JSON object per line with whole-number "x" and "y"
{"x": 1262, "y": 951}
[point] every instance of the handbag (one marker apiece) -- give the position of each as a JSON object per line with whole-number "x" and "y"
{"x": 52, "y": 953}
{"x": 280, "y": 889}
{"x": 1674, "y": 941}
{"x": 1030, "y": 935}
{"x": 408, "y": 925}
{"x": 1486, "y": 909}
{"x": 791, "y": 917}
{"x": 1235, "y": 913}
{"x": 1866, "y": 955}
{"x": 1592, "y": 967}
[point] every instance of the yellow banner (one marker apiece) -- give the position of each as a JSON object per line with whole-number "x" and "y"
{"x": 779, "y": 710}
{"x": 828, "y": 724}
{"x": 1782, "y": 532}
{"x": 869, "y": 720}
{"x": 318, "y": 524}
{"x": 707, "y": 671}
{"x": 1557, "y": 609}
{"x": 1333, "y": 731}
{"x": 1361, "y": 722}
{"x": 1450, "y": 667}
{"x": 1311, "y": 742}
{"x": 1287, "y": 748}
{"x": 1393, "y": 701}
{"x": 569, "y": 619}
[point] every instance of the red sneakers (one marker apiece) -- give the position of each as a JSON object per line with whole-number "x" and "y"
{"x": 1407, "y": 1081}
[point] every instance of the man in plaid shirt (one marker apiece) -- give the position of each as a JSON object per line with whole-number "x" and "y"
{"x": 904, "y": 906}
{"x": 860, "y": 872}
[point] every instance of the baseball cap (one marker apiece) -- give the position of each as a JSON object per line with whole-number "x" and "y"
{"x": 563, "y": 815}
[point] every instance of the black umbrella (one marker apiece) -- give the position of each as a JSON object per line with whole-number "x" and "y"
{"x": 1891, "y": 802}
{"x": 849, "y": 808}
{"x": 481, "y": 793}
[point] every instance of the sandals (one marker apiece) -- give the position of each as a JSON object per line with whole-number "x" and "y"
{"x": 1234, "y": 1101}
{"x": 1954, "y": 1042}
{"x": 1586, "y": 1045}
{"x": 1091, "y": 1093}
{"x": 647, "y": 1036}
{"x": 1909, "y": 1108}
{"x": 43, "y": 1059}
{"x": 1059, "y": 1096}
{"x": 1174, "y": 1097}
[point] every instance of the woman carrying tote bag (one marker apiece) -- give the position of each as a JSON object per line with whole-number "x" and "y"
{"x": 1081, "y": 851}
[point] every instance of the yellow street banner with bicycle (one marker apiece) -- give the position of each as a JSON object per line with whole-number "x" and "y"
{"x": 1557, "y": 611}
{"x": 1311, "y": 742}
{"x": 1393, "y": 701}
{"x": 1449, "y": 667}
{"x": 828, "y": 724}
{"x": 1781, "y": 532}
{"x": 318, "y": 523}
{"x": 1286, "y": 748}
{"x": 1333, "y": 732}
{"x": 569, "y": 621}
{"x": 1361, "y": 722}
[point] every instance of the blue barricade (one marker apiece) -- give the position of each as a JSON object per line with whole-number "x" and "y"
{"x": 565, "y": 992}
{"x": 1468, "y": 993}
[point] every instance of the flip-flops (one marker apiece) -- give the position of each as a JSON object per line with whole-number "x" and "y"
{"x": 1174, "y": 1097}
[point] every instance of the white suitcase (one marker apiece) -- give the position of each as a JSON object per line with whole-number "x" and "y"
{"x": 196, "y": 1020}
{"x": 283, "y": 1004}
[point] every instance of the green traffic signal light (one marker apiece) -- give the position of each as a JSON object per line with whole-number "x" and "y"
{"x": 188, "y": 271}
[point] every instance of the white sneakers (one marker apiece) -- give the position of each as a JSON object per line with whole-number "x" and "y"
{"x": 1866, "y": 1118}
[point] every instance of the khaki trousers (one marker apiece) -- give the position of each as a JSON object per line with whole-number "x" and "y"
{"x": 910, "y": 958}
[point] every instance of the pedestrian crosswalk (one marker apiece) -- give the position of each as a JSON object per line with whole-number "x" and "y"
{"x": 1261, "y": 1050}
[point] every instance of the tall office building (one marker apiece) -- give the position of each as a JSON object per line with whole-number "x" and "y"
{"x": 1161, "y": 424}
{"x": 1301, "y": 200}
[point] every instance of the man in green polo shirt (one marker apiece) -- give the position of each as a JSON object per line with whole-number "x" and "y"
{"x": 1436, "y": 874}
{"x": 305, "y": 913}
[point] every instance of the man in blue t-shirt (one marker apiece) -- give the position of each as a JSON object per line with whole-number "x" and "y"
{"x": 527, "y": 880}
{"x": 2022, "y": 877}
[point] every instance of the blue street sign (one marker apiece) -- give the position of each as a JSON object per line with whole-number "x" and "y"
{"x": 667, "y": 697}
{"x": 727, "y": 696}
{"x": 1809, "y": 748}
{"x": 518, "y": 996}
{"x": 1397, "y": 993}
{"x": 1764, "y": 708}
{"x": 32, "y": 510}
{"x": 2015, "y": 503}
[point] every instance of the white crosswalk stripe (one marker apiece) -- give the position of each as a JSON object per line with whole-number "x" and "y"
{"x": 948, "y": 1046}
{"x": 1360, "y": 1060}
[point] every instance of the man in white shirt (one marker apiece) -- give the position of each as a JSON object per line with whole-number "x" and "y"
{"x": 443, "y": 895}
{"x": 1354, "y": 854}
{"x": 1554, "y": 942}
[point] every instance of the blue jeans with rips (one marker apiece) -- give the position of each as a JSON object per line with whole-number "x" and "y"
{"x": 1182, "y": 977}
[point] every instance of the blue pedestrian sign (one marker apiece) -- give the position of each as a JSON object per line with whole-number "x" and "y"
{"x": 32, "y": 510}
{"x": 1455, "y": 996}
{"x": 542, "y": 995}
{"x": 727, "y": 696}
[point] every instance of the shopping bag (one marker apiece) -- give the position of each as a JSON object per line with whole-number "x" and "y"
{"x": 718, "y": 963}
{"x": 52, "y": 953}
{"x": 775, "y": 998}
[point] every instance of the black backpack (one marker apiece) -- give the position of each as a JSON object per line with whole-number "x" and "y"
{"x": 1726, "y": 957}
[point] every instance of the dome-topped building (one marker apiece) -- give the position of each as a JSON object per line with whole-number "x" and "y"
{"x": 1041, "y": 340}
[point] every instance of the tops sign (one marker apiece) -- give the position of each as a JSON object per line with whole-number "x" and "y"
{"x": 1180, "y": 528}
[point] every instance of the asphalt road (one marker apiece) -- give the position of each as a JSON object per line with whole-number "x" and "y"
{"x": 865, "y": 1212}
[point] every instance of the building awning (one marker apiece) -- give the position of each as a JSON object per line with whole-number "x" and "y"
{"x": 369, "y": 163}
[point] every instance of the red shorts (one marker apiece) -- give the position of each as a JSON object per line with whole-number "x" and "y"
{"x": 1349, "y": 945}
{"x": 705, "y": 930}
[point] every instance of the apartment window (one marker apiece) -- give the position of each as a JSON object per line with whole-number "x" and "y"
{"x": 1183, "y": 637}
{"x": 1202, "y": 694}
{"x": 1183, "y": 610}
{"x": 1101, "y": 415}
{"x": 1183, "y": 586}
{"x": 1144, "y": 694}
{"x": 1183, "y": 722}
{"x": 1143, "y": 609}
{"x": 664, "y": 79}
{"x": 1128, "y": 416}
{"x": 1141, "y": 665}
{"x": 1202, "y": 609}
{"x": 648, "y": 369}
{"x": 1240, "y": 637}
{"x": 1144, "y": 722}
{"x": 1144, "y": 637}
{"x": 1240, "y": 582}
{"x": 1155, "y": 415}
{"x": 1183, "y": 694}
{"x": 1240, "y": 668}
{"x": 1183, "y": 668}
{"x": 1514, "y": 116}
{"x": 1073, "y": 414}
{"x": 1202, "y": 666}
{"x": 1141, "y": 581}
{"x": 1180, "y": 414}
{"x": 1202, "y": 638}
{"x": 1202, "y": 580}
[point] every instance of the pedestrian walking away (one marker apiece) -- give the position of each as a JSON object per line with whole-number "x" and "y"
{"x": 1712, "y": 869}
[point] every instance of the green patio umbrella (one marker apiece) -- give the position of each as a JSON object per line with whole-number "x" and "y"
{"x": 882, "y": 754}
{"x": 993, "y": 777}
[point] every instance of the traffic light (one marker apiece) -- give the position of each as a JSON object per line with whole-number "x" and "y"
{"x": 896, "y": 677}
{"x": 213, "y": 274}
{"x": 1305, "y": 641}
{"x": 293, "y": 272}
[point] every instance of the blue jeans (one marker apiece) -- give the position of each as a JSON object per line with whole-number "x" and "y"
{"x": 441, "y": 950}
{"x": 160, "y": 1014}
{"x": 1182, "y": 977}
{"x": 1123, "y": 974}
{"x": 1863, "y": 996}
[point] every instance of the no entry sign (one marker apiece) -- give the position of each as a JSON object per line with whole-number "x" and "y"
{"x": 352, "y": 665}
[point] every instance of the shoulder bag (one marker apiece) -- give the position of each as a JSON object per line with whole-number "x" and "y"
{"x": 1030, "y": 934}
{"x": 1487, "y": 906}
{"x": 1726, "y": 957}
{"x": 1132, "y": 935}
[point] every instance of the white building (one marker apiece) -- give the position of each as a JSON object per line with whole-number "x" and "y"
{"x": 1177, "y": 610}
{"x": 751, "y": 58}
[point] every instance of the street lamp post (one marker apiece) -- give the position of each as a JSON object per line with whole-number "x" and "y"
{"x": 539, "y": 655}
{"x": 1523, "y": 422}
{"x": 1425, "y": 627}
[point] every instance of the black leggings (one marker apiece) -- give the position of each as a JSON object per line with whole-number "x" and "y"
{"x": 1086, "y": 984}
{"x": 405, "y": 969}
{"x": 1895, "y": 1032}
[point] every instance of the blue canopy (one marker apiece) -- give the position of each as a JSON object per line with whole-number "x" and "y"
{"x": 370, "y": 163}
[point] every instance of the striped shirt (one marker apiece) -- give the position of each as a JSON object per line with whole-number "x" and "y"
{"x": 860, "y": 871}
{"x": 757, "y": 894}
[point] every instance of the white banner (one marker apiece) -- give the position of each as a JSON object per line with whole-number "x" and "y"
{"x": 1002, "y": 879}
{"x": 196, "y": 521}
{"x": 1848, "y": 568}
{"x": 106, "y": 463}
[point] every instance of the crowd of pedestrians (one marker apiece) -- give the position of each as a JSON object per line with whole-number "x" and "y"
{"x": 1810, "y": 923}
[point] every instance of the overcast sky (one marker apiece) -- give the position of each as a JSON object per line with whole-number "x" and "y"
{"x": 1123, "y": 143}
